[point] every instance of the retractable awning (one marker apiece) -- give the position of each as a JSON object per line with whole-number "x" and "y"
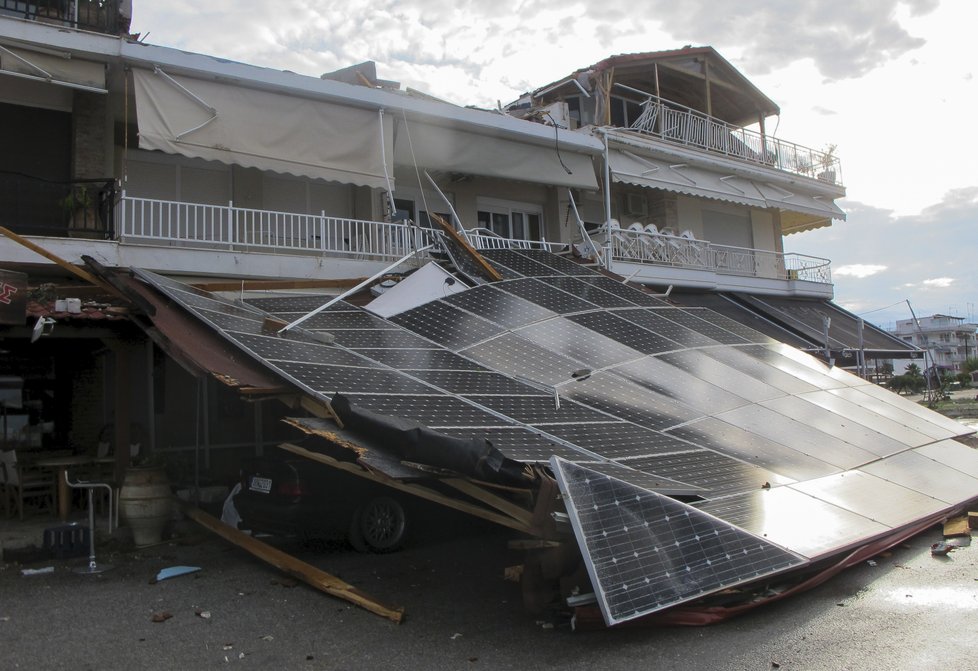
{"x": 801, "y": 322}
{"x": 802, "y": 210}
{"x": 454, "y": 149}
{"x": 53, "y": 67}
{"x": 261, "y": 129}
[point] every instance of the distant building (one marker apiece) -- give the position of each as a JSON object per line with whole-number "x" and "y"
{"x": 949, "y": 341}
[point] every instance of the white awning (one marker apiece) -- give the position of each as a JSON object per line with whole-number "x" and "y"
{"x": 452, "y": 149}
{"x": 658, "y": 173}
{"x": 53, "y": 67}
{"x": 261, "y": 129}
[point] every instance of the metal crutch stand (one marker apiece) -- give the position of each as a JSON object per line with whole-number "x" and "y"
{"x": 92, "y": 568}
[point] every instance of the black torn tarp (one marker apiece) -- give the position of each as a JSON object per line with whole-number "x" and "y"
{"x": 414, "y": 442}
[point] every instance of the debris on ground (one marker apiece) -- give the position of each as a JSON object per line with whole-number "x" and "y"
{"x": 941, "y": 549}
{"x": 173, "y": 572}
{"x": 957, "y": 526}
{"x": 37, "y": 571}
{"x": 162, "y": 616}
{"x": 205, "y": 614}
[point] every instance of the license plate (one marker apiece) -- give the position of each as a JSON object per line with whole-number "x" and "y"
{"x": 263, "y": 485}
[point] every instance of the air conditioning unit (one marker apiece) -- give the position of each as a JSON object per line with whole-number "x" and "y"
{"x": 636, "y": 205}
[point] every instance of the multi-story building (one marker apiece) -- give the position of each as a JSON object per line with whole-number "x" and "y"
{"x": 949, "y": 341}
{"x": 658, "y": 166}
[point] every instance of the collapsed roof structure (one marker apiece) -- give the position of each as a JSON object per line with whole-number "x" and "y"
{"x": 686, "y": 448}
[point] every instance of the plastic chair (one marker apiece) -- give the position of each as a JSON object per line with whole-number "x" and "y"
{"x": 22, "y": 482}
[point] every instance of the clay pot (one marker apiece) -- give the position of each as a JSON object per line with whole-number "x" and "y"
{"x": 146, "y": 503}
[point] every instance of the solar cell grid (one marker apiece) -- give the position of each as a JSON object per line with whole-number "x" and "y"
{"x": 516, "y": 356}
{"x": 660, "y": 376}
{"x": 499, "y": 307}
{"x": 646, "y": 552}
{"x": 518, "y": 263}
{"x": 419, "y": 359}
{"x": 627, "y": 333}
{"x": 276, "y": 348}
{"x": 518, "y": 443}
{"x": 699, "y": 365}
{"x": 587, "y": 291}
{"x": 328, "y": 379}
{"x": 468, "y": 383}
{"x": 546, "y": 296}
{"x": 618, "y": 440}
{"x": 446, "y": 325}
{"x": 700, "y": 320}
{"x": 624, "y": 399}
{"x": 433, "y": 411}
{"x": 298, "y": 304}
{"x": 577, "y": 343}
{"x": 380, "y": 338}
{"x": 539, "y": 410}
{"x": 651, "y": 320}
{"x": 558, "y": 263}
{"x": 754, "y": 449}
{"x": 716, "y": 474}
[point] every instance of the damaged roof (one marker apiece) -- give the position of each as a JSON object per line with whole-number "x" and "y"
{"x": 687, "y": 446}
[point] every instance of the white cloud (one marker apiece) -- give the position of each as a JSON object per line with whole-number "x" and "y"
{"x": 859, "y": 270}
{"x": 938, "y": 282}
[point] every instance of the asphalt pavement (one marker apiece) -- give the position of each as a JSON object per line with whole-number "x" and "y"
{"x": 907, "y": 610}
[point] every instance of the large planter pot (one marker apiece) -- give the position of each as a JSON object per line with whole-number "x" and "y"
{"x": 145, "y": 503}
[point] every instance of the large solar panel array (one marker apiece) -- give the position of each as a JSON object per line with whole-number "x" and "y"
{"x": 637, "y": 396}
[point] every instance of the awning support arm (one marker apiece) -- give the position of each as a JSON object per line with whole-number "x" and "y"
{"x": 190, "y": 94}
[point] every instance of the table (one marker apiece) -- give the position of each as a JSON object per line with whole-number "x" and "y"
{"x": 61, "y": 465}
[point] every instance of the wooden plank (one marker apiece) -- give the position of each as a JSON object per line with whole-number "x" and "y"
{"x": 296, "y": 568}
{"x": 450, "y": 231}
{"x": 515, "y": 511}
{"x": 70, "y": 267}
{"x": 957, "y": 526}
{"x": 416, "y": 490}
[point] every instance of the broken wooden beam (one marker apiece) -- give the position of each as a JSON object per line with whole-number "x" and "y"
{"x": 416, "y": 490}
{"x": 296, "y": 568}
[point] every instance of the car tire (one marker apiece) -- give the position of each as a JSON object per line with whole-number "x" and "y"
{"x": 379, "y": 525}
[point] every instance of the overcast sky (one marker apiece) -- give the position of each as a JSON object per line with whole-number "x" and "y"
{"x": 890, "y": 82}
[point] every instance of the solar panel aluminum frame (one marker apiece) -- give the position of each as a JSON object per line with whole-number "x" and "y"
{"x": 610, "y": 618}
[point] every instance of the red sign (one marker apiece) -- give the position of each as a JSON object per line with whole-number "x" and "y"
{"x": 13, "y": 298}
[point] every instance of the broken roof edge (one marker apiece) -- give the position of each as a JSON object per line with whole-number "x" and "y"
{"x": 771, "y": 108}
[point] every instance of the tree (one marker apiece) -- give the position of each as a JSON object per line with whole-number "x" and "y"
{"x": 970, "y": 364}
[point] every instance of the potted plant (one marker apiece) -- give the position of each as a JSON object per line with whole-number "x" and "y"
{"x": 80, "y": 211}
{"x": 828, "y": 162}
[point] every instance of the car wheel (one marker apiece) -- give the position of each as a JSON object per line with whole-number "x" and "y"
{"x": 379, "y": 525}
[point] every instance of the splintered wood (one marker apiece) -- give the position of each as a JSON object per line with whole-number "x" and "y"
{"x": 294, "y": 567}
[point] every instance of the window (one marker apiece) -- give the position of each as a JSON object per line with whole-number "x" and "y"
{"x": 406, "y": 208}
{"x": 624, "y": 112}
{"x": 521, "y": 221}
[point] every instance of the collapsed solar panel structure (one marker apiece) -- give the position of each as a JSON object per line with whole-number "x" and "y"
{"x": 694, "y": 454}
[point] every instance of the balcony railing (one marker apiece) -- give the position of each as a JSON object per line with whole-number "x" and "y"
{"x": 202, "y": 226}
{"x": 683, "y": 252}
{"x": 683, "y": 125}
{"x": 100, "y": 16}
{"x": 483, "y": 238}
{"x": 79, "y": 208}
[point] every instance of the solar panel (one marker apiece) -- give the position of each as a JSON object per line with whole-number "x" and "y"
{"x": 446, "y": 325}
{"x": 588, "y": 292}
{"x": 578, "y": 343}
{"x": 631, "y": 294}
{"x": 546, "y": 296}
{"x": 499, "y": 307}
{"x": 619, "y": 441}
{"x": 653, "y": 321}
{"x": 518, "y": 263}
{"x": 698, "y": 319}
{"x": 717, "y": 475}
{"x": 558, "y": 263}
{"x": 627, "y": 333}
{"x": 646, "y": 552}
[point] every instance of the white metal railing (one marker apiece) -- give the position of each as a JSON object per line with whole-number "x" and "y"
{"x": 483, "y": 238}
{"x": 684, "y": 252}
{"x": 228, "y": 227}
{"x": 683, "y": 125}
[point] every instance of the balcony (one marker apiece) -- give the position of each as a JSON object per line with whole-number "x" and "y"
{"x": 660, "y": 258}
{"x": 100, "y": 16}
{"x": 77, "y": 208}
{"x": 681, "y": 125}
